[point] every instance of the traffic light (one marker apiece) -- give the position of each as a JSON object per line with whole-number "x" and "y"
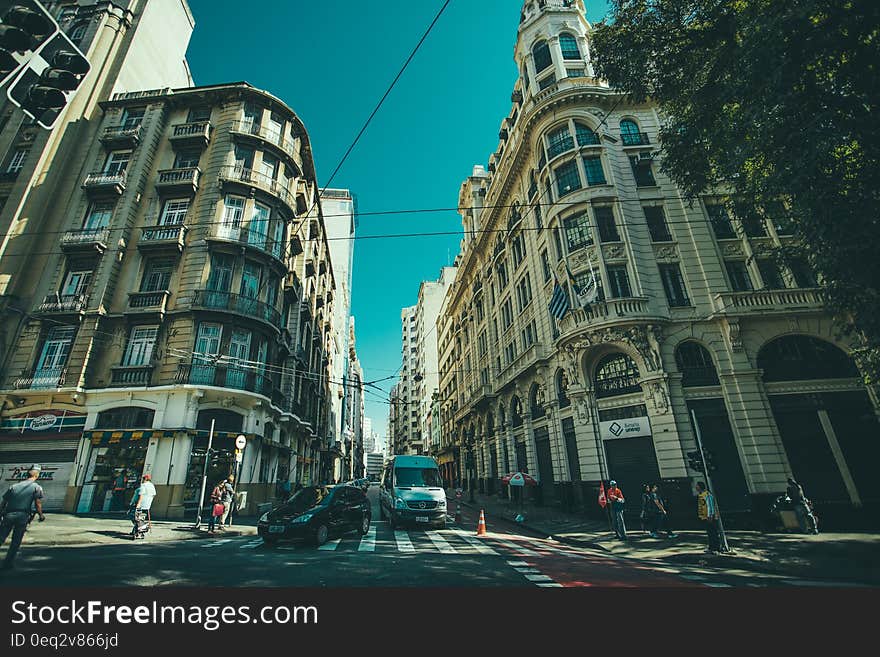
{"x": 695, "y": 462}
{"x": 45, "y": 86}
{"x": 25, "y": 26}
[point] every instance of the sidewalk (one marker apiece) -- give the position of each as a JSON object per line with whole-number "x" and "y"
{"x": 839, "y": 556}
{"x": 62, "y": 529}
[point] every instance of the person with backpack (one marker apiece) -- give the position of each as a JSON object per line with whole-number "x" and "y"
{"x": 618, "y": 504}
{"x": 707, "y": 512}
{"x": 802, "y": 507}
{"x": 16, "y": 512}
{"x": 217, "y": 507}
{"x": 661, "y": 516}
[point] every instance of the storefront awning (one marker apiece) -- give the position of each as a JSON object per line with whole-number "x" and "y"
{"x": 111, "y": 437}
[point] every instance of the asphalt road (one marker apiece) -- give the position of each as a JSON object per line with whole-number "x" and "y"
{"x": 453, "y": 557}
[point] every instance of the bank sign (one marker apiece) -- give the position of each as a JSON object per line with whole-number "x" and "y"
{"x": 631, "y": 427}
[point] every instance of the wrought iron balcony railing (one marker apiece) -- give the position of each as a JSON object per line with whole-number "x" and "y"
{"x": 236, "y": 303}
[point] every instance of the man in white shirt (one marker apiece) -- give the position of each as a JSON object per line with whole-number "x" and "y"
{"x": 143, "y": 499}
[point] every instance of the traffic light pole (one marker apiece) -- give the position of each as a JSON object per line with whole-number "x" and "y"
{"x": 205, "y": 477}
{"x": 724, "y": 546}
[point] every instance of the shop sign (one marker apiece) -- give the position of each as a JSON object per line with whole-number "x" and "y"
{"x": 630, "y": 427}
{"x": 53, "y": 421}
{"x": 43, "y": 422}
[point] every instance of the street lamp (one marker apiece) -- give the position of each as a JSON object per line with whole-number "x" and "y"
{"x": 469, "y": 463}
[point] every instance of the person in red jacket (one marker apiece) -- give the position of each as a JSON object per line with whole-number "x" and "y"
{"x": 615, "y": 496}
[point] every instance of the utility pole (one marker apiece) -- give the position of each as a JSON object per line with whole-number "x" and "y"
{"x": 724, "y": 546}
{"x": 205, "y": 476}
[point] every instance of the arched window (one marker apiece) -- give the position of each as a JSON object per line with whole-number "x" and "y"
{"x": 78, "y": 33}
{"x": 569, "y": 47}
{"x": 515, "y": 413}
{"x": 490, "y": 425}
{"x": 630, "y": 134}
{"x": 535, "y": 405}
{"x": 695, "y": 365}
{"x": 616, "y": 374}
{"x": 585, "y": 136}
{"x": 559, "y": 141}
{"x": 801, "y": 357}
{"x": 562, "y": 390}
{"x": 541, "y": 55}
{"x": 125, "y": 417}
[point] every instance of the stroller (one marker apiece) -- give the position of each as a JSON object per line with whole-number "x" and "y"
{"x": 141, "y": 523}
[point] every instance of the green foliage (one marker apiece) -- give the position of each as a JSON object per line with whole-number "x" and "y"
{"x": 772, "y": 100}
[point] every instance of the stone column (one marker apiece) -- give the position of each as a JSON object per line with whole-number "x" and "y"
{"x": 591, "y": 454}
{"x": 556, "y": 56}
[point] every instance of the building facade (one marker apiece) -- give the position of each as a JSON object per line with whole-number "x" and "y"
{"x": 694, "y": 319}
{"x": 186, "y": 298}
{"x": 353, "y": 445}
{"x": 420, "y": 373}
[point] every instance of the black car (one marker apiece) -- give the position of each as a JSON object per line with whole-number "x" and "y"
{"x": 317, "y": 512}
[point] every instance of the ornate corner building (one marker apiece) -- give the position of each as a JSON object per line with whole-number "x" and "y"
{"x": 694, "y": 318}
{"x": 165, "y": 271}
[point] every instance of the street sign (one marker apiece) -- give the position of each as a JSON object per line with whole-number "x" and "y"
{"x": 240, "y": 442}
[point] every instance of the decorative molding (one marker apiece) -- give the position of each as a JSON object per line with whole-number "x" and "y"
{"x": 613, "y": 251}
{"x": 666, "y": 252}
{"x": 659, "y": 396}
{"x": 732, "y": 249}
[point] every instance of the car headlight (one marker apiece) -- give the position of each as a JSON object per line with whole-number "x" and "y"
{"x": 441, "y": 504}
{"x": 303, "y": 518}
{"x": 399, "y": 503}
{"x": 264, "y": 518}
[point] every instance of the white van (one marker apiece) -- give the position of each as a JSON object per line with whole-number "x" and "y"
{"x": 412, "y": 492}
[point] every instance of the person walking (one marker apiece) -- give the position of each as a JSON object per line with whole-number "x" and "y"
{"x": 16, "y": 512}
{"x": 646, "y": 514}
{"x": 618, "y": 503}
{"x": 141, "y": 502}
{"x": 802, "y": 507}
{"x": 661, "y": 516}
{"x": 217, "y": 507}
{"x": 707, "y": 512}
{"x": 228, "y": 498}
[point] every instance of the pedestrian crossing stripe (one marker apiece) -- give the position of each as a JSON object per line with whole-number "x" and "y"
{"x": 331, "y": 545}
{"x": 368, "y": 542}
{"x": 441, "y": 544}
{"x": 518, "y": 548}
{"x": 549, "y": 584}
{"x": 538, "y": 578}
{"x": 403, "y": 542}
{"x": 476, "y": 543}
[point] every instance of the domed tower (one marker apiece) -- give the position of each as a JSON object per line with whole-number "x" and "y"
{"x": 552, "y": 43}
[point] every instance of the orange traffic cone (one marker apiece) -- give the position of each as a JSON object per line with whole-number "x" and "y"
{"x": 481, "y": 526}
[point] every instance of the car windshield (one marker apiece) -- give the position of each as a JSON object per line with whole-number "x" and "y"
{"x": 306, "y": 498}
{"x": 416, "y": 477}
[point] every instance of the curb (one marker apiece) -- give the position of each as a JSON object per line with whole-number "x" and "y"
{"x": 186, "y": 537}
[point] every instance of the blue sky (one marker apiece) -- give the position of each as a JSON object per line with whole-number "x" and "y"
{"x": 331, "y": 61}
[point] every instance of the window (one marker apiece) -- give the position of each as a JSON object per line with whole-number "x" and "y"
{"x": 117, "y": 162}
{"x": 506, "y": 314}
{"x": 141, "y": 342}
{"x": 618, "y": 282}
{"x": 502, "y": 274}
{"x": 220, "y": 278}
{"x": 76, "y": 283}
{"x": 258, "y": 230}
{"x": 539, "y": 220}
{"x": 781, "y": 219}
{"x": 720, "y": 221}
{"x": 695, "y": 365}
{"x": 562, "y": 390}
{"x": 188, "y": 159}
{"x": 518, "y": 250}
{"x": 546, "y": 82}
{"x": 595, "y": 173}
{"x": 78, "y": 33}
{"x": 753, "y": 225}
{"x": 541, "y": 56}
{"x": 16, "y": 162}
{"x": 233, "y": 213}
{"x": 269, "y": 166}
{"x": 174, "y": 212}
{"x": 528, "y": 335}
{"x": 244, "y": 159}
{"x": 770, "y": 274}
{"x": 510, "y": 352}
{"x": 585, "y": 278}
{"x": 198, "y": 114}
{"x": 656, "y": 219}
{"x": 642, "y": 172}
{"x": 557, "y": 239}
{"x": 157, "y": 275}
{"x": 585, "y": 136}
{"x": 673, "y": 285}
{"x": 575, "y": 73}
{"x": 545, "y": 265}
{"x": 524, "y": 292}
{"x": 567, "y": 178}
{"x": 250, "y": 280}
{"x": 53, "y": 356}
{"x": 630, "y": 133}
{"x": 606, "y": 224}
{"x": 125, "y": 417}
{"x": 616, "y": 374}
{"x": 738, "y": 273}
{"x": 558, "y": 142}
{"x": 253, "y": 116}
{"x": 98, "y": 216}
{"x": 275, "y": 128}
{"x": 482, "y": 344}
{"x": 803, "y": 274}
{"x": 577, "y": 231}
{"x": 133, "y": 116}
{"x": 568, "y": 45}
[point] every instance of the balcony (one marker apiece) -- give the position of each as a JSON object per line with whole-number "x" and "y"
{"x": 635, "y": 139}
{"x": 765, "y": 302}
{"x": 247, "y": 236}
{"x": 85, "y": 241}
{"x": 292, "y": 285}
{"x": 224, "y": 376}
{"x": 255, "y": 180}
{"x": 131, "y": 375}
{"x": 163, "y": 238}
{"x": 179, "y": 181}
{"x": 148, "y": 303}
{"x": 46, "y": 378}
{"x": 189, "y": 135}
{"x": 267, "y": 135}
{"x": 302, "y": 356}
{"x": 608, "y": 312}
{"x": 121, "y": 136}
{"x": 103, "y": 183}
{"x": 238, "y": 304}
{"x": 70, "y": 304}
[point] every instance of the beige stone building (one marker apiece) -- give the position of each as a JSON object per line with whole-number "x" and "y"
{"x": 180, "y": 280}
{"x": 693, "y": 316}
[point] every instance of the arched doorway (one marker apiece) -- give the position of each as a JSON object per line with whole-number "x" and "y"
{"x": 221, "y": 460}
{"x": 831, "y": 438}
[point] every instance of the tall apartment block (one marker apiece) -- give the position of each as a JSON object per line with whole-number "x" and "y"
{"x": 694, "y": 319}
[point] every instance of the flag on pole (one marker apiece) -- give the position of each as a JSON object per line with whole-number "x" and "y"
{"x": 602, "y": 500}
{"x": 587, "y": 293}
{"x": 558, "y": 301}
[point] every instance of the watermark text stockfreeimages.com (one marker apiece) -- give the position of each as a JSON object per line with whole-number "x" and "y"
{"x": 210, "y": 617}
